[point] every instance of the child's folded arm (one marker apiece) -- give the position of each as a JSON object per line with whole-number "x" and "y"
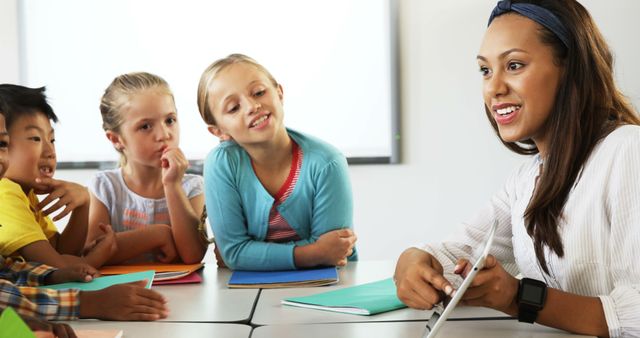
{"x": 42, "y": 251}
{"x": 185, "y": 220}
{"x": 71, "y": 240}
{"x": 239, "y": 249}
{"x": 134, "y": 243}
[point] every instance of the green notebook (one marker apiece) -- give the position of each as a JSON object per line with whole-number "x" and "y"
{"x": 12, "y": 326}
{"x": 366, "y": 299}
{"x": 104, "y": 282}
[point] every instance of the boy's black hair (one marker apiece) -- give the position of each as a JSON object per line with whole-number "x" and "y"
{"x": 3, "y": 106}
{"x": 16, "y": 101}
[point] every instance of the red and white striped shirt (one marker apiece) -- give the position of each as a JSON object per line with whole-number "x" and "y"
{"x": 279, "y": 229}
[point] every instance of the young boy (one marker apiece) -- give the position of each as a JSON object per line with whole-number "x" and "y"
{"x": 19, "y": 281}
{"x": 26, "y": 229}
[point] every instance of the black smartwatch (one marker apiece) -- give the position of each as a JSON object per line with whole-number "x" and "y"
{"x": 532, "y": 295}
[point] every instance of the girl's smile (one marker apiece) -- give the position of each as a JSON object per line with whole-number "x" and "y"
{"x": 260, "y": 121}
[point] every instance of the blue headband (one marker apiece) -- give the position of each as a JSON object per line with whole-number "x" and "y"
{"x": 536, "y": 13}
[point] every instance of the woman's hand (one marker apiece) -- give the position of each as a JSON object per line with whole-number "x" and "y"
{"x": 419, "y": 280}
{"x": 174, "y": 165}
{"x": 492, "y": 287}
{"x": 68, "y": 195}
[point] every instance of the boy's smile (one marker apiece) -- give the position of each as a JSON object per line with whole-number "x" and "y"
{"x": 32, "y": 152}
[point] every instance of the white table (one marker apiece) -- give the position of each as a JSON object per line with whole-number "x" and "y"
{"x": 269, "y": 311}
{"x": 168, "y": 330}
{"x": 453, "y": 329}
{"x": 209, "y": 301}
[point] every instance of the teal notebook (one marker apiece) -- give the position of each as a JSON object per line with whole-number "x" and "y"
{"x": 105, "y": 282}
{"x": 366, "y": 299}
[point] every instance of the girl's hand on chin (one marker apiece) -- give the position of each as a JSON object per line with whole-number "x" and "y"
{"x": 174, "y": 165}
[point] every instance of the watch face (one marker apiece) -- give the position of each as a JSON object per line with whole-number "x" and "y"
{"x": 532, "y": 294}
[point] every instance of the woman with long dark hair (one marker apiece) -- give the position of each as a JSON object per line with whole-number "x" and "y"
{"x": 568, "y": 218}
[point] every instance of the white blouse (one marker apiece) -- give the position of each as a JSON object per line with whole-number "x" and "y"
{"x": 600, "y": 231}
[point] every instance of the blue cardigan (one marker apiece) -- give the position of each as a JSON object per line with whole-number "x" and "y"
{"x": 238, "y": 205}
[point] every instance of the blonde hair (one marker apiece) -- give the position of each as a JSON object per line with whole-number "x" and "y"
{"x": 212, "y": 71}
{"x": 121, "y": 91}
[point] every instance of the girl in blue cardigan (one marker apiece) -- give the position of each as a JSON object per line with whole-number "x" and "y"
{"x": 277, "y": 199}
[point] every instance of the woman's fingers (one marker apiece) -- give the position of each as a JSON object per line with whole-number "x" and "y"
{"x": 437, "y": 281}
{"x": 418, "y": 295}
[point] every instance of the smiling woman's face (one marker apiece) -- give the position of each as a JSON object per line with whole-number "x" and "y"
{"x": 521, "y": 79}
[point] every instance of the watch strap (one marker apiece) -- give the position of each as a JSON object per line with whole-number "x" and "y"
{"x": 528, "y": 310}
{"x": 527, "y": 314}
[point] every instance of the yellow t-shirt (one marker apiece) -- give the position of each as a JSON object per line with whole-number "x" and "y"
{"x": 20, "y": 223}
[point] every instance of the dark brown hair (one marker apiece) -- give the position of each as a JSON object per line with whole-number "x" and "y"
{"x": 588, "y": 106}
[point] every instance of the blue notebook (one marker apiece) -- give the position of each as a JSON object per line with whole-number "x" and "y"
{"x": 283, "y": 279}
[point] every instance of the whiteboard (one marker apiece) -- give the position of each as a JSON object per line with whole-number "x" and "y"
{"x": 336, "y": 60}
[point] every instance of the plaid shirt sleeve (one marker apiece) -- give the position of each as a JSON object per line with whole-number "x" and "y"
{"x": 24, "y": 273}
{"x": 42, "y": 303}
{"x": 18, "y": 281}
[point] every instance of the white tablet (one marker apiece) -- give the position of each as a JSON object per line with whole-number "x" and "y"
{"x": 441, "y": 312}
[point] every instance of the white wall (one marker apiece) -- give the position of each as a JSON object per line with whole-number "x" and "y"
{"x": 9, "y": 55}
{"x": 57, "y": 54}
{"x": 452, "y": 162}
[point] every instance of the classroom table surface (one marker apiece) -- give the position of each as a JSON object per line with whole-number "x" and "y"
{"x": 209, "y": 301}
{"x": 507, "y": 328}
{"x": 167, "y": 330}
{"x": 270, "y": 311}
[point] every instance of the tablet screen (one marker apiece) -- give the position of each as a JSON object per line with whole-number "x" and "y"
{"x": 442, "y": 311}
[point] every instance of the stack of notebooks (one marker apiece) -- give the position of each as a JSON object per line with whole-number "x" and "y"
{"x": 165, "y": 273}
{"x": 366, "y": 299}
{"x": 283, "y": 279}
